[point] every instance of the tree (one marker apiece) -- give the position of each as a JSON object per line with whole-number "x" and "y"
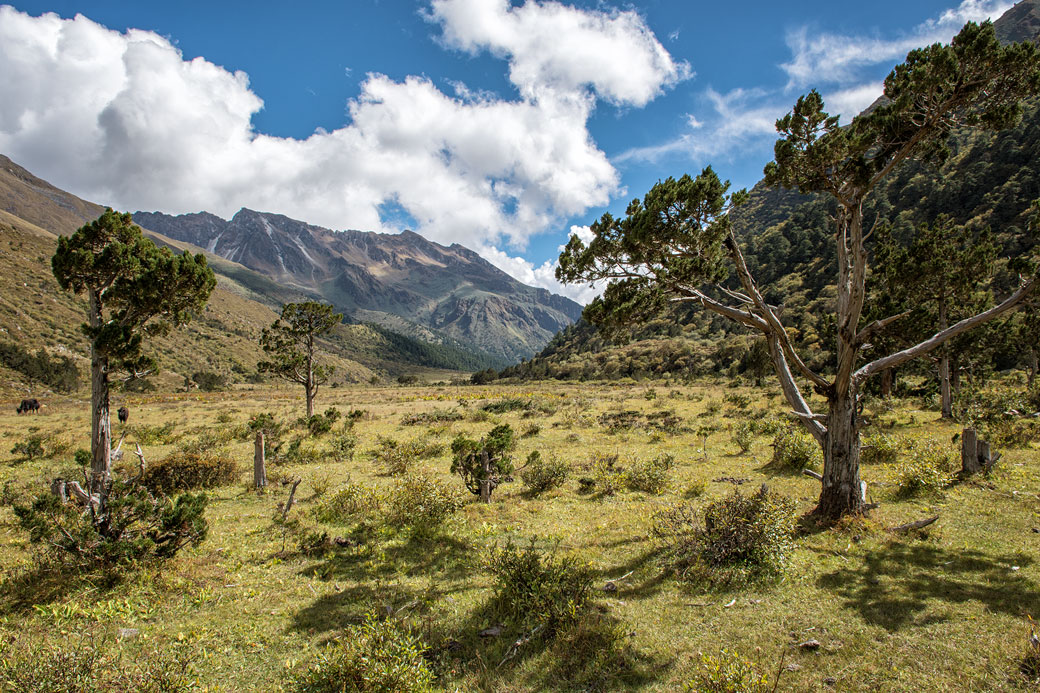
{"x": 483, "y": 463}
{"x": 678, "y": 243}
{"x": 291, "y": 341}
{"x": 939, "y": 271}
{"x": 134, "y": 289}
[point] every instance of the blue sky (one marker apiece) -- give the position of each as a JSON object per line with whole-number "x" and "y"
{"x": 500, "y": 125}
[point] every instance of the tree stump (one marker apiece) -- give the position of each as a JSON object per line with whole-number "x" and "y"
{"x": 259, "y": 464}
{"x": 976, "y": 455}
{"x": 58, "y": 489}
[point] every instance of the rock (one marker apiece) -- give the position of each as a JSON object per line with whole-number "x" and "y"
{"x": 810, "y": 645}
{"x": 830, "y": 681}
{"x": 128, "y": 633}
{"x": 793, "y": 667}
{"x": 492, "y": 632}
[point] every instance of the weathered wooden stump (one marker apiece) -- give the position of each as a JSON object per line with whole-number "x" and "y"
{"x": 259, "y": 463}
{"x": 976, "y": 455}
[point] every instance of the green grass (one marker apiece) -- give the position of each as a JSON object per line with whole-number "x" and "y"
{"x": 943, "y": 609}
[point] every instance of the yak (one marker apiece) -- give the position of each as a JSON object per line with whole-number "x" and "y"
{"x": 28, "y": 405}
{"x": 123, "y": 414}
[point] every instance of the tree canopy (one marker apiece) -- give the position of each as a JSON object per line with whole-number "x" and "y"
{"x": 291, "y": 342}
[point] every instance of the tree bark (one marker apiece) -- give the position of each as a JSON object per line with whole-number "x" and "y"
{"x": 485, "y": 483}
{"x": 309, "y": 386}
{"x": 841, "y": 491}
{"x": 100, "y": 421}
{"x": 888, "y": 382}
{"x": 259, "y": 462}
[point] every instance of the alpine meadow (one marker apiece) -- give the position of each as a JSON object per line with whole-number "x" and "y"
{"x": 777, "y": 434}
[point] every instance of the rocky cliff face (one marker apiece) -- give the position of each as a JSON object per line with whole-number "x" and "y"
{"x": 386, "y": 277}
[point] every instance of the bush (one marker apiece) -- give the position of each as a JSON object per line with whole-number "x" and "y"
{"x": 208, "y": 381}
{"x": 881, "y": 448}
{"x": 542, "y": 474}
{"x": 743, "y": 538}
{"x": 398, "y": 458}
{"x": 343, "y": 445}
{"x": 536, "y": 588}
{"x": 484, "y": 460}
{"x": 31, "y": 447}
{"x": 744, "y": 435}
{"x": 506, "y": 405}
{"x": 927, "y": 468}
{"x": 650, "y": 476}
{"x": 56, "y": 372}
{"x": 90, "y": 665}
{"x": 348, "y": 503}
{"x": 608, "y": 476}
{"x": 727, "y": 673}
{"x": 153, "y": 435}
{"x": 377, "y": 656}
{"x": 794, "y": 449}
{"x": 429, "y": 418}
{"x": 420, "y": 504}
{"x": 183, "y": 471}
{"x": 319, "y": 424}
{"x": 131, "y": 526}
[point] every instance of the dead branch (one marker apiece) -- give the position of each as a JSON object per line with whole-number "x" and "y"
{"x": 809, "y": 472}
{"x": 902, "y": 529}
{"x": 292, "y": 495}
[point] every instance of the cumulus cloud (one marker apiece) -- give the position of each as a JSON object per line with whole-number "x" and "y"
{"x": 544, "y": 275}
{"x": 124, "y": 119}
{"x": 833, "y": 58}
{"x": 613, "y": 53}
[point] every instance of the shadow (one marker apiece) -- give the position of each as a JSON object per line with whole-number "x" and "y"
{"x": 47, "y": 583}
{"x": 896, "y": 584}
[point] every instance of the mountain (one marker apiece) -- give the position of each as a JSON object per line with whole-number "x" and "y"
{"x": 35, "y": 312}
{"x": 990, "y": 179}
{"x": 401, "y": 281}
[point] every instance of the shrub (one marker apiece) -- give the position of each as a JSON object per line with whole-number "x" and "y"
{"x": 131, "y": 525}
{"x": 485, "y": 460}
{"x": 420, "y": 504}
{"x": 650, "y": 476}
{"x": 738, "y": 400}
{"x": 428, "y": 418}
{"x": 925, "y": 469}
{"x": 794, "y": 449}
{"x": 31, "y": 447}
{"x": 90, "y": 665}
{"x": 397, "y": 458}
{"x": 506, "y": 405}
{"x": 153, "y": 435}
{"x": 542, "y": 474}
{"x": 881, "y": 448}
{"x": 343, "y": 445}
{"x": 727, "y": 673}
{"x": 377, "y": 656}
{"x": 319, "y": 424}
{"x": 208, "y": 381}
{"x": 608, "y": 476}
{"x": 298, "y": 453}
{"x": 744, "y": 435}
{"x": 348, "y": 503}
{"x": 183, "y": 471}
{"x": 743, "y": 538}
{"x": 536, "y": 588}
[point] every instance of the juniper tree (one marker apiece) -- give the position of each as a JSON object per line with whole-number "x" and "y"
{"x": 291, "y": 343}
{"x": 678, "y": 243}
{"x": 134, "y": 289}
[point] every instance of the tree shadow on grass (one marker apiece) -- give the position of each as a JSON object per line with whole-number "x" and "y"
{"x": 895, "y": 584}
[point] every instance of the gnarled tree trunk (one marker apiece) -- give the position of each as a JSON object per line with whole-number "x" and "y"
{"x": 841, "y": 492}
{"x": 100, "y": 420}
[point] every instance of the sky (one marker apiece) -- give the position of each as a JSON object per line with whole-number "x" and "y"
{"x": 502, "y": 125}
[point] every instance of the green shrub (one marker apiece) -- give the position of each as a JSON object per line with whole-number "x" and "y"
{"x": 926, "y": 468}
{"x": 420, "y": 504}
{"x": 297, "y": 452}
{"x": 398, "y": 457}
{"x": 183, "y": 471}
{"x": 542, "y": 474}
{"x": 348, "y": 504}
{"x": 377, "y": 656}
{"x": 487, "y": 459}
{"x": 31, "y": 447}
{"x": 537, "y": 588}
{"x": 742, "y": 538}
{"x": 881, "y": 448}
{"x": 608, "y": 476}
{"x": 320, "y": 424}
{"x": 153, "y": 435}
{"x": 738, "y": 400}
{"x": 794, "y": 449}
{"x": 744, "y": 435}
{"x": 343, "y": 445}
{"x": 650, "y": 476}
{"x": 208, "y": 381}
{"x": 506, "y": 405}
{"x": 90, "y": 664}
{"x": 131, "y": 526}
{"x": 727, "y": 673}
{"x": 429, "y": 418}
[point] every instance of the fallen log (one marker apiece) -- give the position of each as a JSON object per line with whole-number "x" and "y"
{"x": 918, "y": 524}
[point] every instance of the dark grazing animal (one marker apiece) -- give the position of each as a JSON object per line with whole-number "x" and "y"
{"x": 28, "y": 405}
{"x": 124, "y": 415}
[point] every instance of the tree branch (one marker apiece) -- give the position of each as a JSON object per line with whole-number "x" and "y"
{"x": 873, "y": 328}
{"x": 940, "y": 338}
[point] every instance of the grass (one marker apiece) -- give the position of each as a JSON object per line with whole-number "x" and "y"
{"x": 943, "y": 609}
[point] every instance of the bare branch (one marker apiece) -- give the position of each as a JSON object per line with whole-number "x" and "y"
{"x": 873, "y": 328}
{"x": 939, "y": 338}
{"x": 792, "y": 393}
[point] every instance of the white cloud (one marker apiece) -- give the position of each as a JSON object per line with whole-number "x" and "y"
{"x": 850, "y": 102}
{"x": 834, "y": 58}
{"x": 614, "y": 53}
{"x": 125, "y": 120}
{"x": 544, "y": 275}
